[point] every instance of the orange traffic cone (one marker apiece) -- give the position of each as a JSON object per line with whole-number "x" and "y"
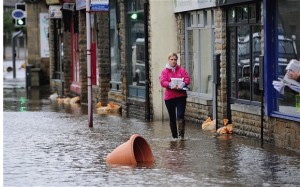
{"x": 135, "y": 151}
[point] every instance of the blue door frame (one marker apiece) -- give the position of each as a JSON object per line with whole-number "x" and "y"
{"x": 271, "y": 56}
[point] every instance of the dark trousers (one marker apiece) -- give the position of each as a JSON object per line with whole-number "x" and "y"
{"x": 178, "y": 103}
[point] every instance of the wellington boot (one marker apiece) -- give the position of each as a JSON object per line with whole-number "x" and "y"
{"x": 181, "y": 128}
{"x": 174, "y": 130}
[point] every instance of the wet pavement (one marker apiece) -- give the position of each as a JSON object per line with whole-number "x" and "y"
{"x": 50, "y": 144}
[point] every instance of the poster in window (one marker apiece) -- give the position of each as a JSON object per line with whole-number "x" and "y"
{"x": 44, "y": 43}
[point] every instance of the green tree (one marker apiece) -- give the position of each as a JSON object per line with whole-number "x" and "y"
{"x": 8, "y": 24}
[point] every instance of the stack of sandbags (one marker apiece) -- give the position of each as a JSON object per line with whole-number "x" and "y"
{"x": 65, "y": 100}
{"x": 102, "y": 109}
{"x": 226, "y": 129}
{"x": 110, "y": 108}
{"x": 75, "y": 100}
{"x": 113, "y": 108}
{"x": 209, "y": 124}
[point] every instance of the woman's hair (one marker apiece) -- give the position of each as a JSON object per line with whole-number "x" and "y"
{"x": 172, "y": 54}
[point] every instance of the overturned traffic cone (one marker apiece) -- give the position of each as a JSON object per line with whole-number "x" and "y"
{"x": 135, "y": 151}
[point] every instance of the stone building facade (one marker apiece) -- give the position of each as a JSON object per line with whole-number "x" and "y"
{"x": 246, "y": 118}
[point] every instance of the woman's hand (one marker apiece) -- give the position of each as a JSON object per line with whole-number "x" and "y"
{"x": 293, "y": 75}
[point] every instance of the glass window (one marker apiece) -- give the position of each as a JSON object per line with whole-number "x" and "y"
{"x": 136, "y": 48}
{"x": 231, "y": 15}
{"x": 288, "y": 45}
{"x": 115, "y": 45}
{"x": 244, "y": 46}
{"x": 200, "y": 53}
{"x": 75, "y": 50}
{"x": 245, "y": 13}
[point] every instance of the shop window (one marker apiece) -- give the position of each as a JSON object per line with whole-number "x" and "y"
{"x": 288, "y": 45}
{"x": 135, "y": 48}
{"x": 199, "y": 49}
{"x": 252, "y": 13}
{"x": 115, "y": 46}
{"x": 75, "y": 49}
{"x": 231, "y": 15}
{"x": 244, "y": 49}
{"x": 58, "y": 50}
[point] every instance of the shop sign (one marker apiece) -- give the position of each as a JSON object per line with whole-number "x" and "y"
{"x": 55, "y": 12}
{"x": 188, "y": 5}
{"x": 52, "y": 2}
{"x": 99, "y": 5}
{"x": 80, "y": 4}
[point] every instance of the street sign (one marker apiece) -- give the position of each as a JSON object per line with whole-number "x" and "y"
{"x": 18, "y": 14}
{"x": 99, "y": 5}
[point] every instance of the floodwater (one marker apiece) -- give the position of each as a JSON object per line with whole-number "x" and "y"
{"x": 47, "y": 144}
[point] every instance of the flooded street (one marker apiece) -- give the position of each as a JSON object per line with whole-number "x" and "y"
{"x": 46, "y": 144}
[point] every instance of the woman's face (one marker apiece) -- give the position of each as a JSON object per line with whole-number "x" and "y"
{"x": 173, "y": 61}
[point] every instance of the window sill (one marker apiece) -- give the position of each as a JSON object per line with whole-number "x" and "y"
{"x": 276, "y": 114}
{"x": 204, "y": 100}
{"x": 249, "y": 109}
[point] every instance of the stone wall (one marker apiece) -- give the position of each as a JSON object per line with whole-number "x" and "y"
{"x": 41, "y": 65}
{"x": 67, "y": 59}
{"x": 124, "y": 67}
{"x": 286, "y": 133}
{"x": 220, "y": 48}
{"x": 82, "y": 57}
{"x": 103, "y": 57}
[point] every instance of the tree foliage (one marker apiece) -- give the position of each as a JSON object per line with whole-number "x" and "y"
{"x": 8, "y": 22}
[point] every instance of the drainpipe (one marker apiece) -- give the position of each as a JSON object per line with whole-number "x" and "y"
{"x": 88, "y": 57}
{"x": 261, "y": 88}
{"x": 216, "y": 81}
{"x": 147, "y": 77}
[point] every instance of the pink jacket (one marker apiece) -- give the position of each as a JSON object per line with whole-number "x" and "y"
{"x": 165, "y": 79}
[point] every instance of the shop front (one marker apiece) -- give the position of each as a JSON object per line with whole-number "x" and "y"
{"x": 197, "y": 19}
{"x": 262, "y": 46}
